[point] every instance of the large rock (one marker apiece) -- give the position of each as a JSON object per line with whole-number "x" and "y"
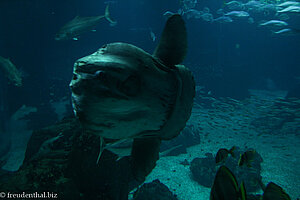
{"x": 154, "y": 191}
{"x": 62, "y": 159}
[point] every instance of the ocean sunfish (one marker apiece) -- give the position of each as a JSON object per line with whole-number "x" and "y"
{"x": 121, "y": 92}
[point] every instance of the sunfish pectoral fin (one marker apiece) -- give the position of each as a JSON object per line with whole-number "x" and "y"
{"x": 145, "y": 153}
{"x": 172, "y": 47}
{"x": 107, "y": 16}
{"x": 121, "y": 148}
{"x": 102, "y": 145}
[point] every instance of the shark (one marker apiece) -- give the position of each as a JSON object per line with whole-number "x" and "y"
{"x": 79, "y": 25}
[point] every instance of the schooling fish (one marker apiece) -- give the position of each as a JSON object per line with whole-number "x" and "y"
{"x": 274, "y": 23}
{"x": 239, "y": 14}
{"x": 121, "y": 92}
{"x": 289, "y": 3}
{"x": 287, "y": 31}
{"x": 223, "y": 19}
{"x": 11, "y": 71}
{"x": 290, "y": 9}
{"x": 80, "y": 25}
{"x": 222, "y": 154}
{"x": 226, "y": 187}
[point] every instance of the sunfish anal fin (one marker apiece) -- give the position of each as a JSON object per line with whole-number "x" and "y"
{"x": 144, "y": 154}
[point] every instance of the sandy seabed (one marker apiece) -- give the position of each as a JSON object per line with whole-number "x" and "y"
{"x": 228, "y": 123}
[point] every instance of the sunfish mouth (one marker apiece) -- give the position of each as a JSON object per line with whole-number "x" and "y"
{"x": 104, "y": 77}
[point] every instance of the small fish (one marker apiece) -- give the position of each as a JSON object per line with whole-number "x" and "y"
{"x": 11, "y": 71}
{"x": 283, "y": 17}
{"x": 208, "y": 17}
{"x": 222, "y": 154}
{"x": 223, "y": 19}
{"x": 287, "y": 31}
{"x": 290, "y": 9}
{"x": 226, "y": 187}
{"x": 234, "y": 5}
{"x": 220, "y": 11}
{"x": 289, "y": 3}
{"x": 168, "y": 13}
{"x": 274, "y": 23}
{"x": 239, "y": 14}
{"x": 246, "y": 158}
{"x": 152, "y": 35}
{"x": 80, "y": 25}
{"x": 206, "y": 10}
{"x": 275, "y": 192}
{"x": 193, "y": 13}
{"x": 185, "y": 162}
{"x": 253, "y": 4}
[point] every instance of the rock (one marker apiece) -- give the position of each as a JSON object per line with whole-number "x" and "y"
{"x": 62, "y": 159}
{"x": 204, "y": 170}
{"x": 188, "y": 137}
{"x": 154, "y": 191}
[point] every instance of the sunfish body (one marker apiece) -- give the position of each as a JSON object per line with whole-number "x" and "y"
{"x": 11, "y": 71}
{"x": 121, "y": 92}
{"x": 80, "y": 25}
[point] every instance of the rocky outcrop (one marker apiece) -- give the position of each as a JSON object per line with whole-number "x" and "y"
{"x": 62, "y": 159}
{"x": 154, "y": 191}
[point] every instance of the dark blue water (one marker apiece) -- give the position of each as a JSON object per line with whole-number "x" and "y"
{"x": 28, "y": 29}
{"x": 228, "y": 59}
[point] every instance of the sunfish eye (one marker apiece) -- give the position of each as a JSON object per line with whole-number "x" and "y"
{"x": 99, "y": 74}
{"x": 75, "y": 77}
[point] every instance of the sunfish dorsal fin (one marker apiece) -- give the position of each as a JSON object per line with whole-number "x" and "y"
{"x": 172, "y": 47}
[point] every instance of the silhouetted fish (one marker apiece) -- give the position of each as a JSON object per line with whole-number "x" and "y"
{"x": 121, "y": 92}
{"x": 79, "y": 25}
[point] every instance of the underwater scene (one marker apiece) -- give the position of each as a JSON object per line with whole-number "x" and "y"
{"x": 150, "y": 100}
